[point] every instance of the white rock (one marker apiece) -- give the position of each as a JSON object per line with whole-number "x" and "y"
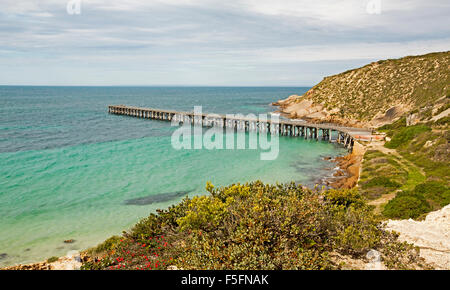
{"x": 431, "y": 235}
{"x": 427, "y": 144}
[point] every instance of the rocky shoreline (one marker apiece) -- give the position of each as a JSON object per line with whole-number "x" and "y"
{"x": 346, "y": 171}
{"x": 349, "y": 168}
{"x": 72, "y": 261}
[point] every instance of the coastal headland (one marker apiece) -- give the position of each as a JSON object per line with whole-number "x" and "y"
{"x": 403, "y": 170}
{"x": 398, "y": 174}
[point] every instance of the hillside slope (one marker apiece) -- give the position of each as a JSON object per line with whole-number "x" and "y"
{"x": 375, "y": 94}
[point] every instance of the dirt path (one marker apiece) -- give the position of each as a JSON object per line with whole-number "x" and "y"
{"x": 380, "y": 202}
{"x": 405, "y": 162}
{"x": 415, "y": 174}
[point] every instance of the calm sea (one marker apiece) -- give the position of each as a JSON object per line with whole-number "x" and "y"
{"x": 70, "y": 170}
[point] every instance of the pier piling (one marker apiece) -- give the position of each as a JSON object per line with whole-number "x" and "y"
{"x": 281, "y": 127}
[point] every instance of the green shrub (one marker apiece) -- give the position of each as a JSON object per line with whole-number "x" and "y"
{"x": 52, "y": 259}
{"x": 203, "y": 213}
{"x": 344, "y": 197}
{"x": 381, "y": 181}
{"x": 107, "y": 245}
{"x": 403, "y": 135}
{"x": 427, "y": 114}
{"x": 443, "y": 121}
{"x": 434, "y": 191}
{"x": 406, "y": 205}
{"x": 256, "y": 226}
{"x": 98, "y": 263}
{"x": 371, "y": 154}
{"x": 400, "y": 123}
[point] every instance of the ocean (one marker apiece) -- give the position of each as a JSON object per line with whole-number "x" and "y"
{"x": 69, "y": 170}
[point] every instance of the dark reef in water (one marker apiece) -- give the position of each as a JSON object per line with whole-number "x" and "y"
{"x": 156, "y": 198}
{"x": 3, "y": 256}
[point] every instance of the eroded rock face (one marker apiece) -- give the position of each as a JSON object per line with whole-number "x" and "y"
{"x": 391, "y": 115}
{"x": 432, "y": 236}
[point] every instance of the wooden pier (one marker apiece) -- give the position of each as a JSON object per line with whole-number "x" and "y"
{"x": 280, "y": 127}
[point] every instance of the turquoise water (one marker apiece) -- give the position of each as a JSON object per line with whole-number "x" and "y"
{"x": 68, "y": 169}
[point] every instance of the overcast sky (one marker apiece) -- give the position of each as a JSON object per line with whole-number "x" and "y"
{"x": 210, "y": 42}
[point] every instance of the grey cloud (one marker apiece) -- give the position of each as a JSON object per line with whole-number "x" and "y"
{"x": 166, "y": 40}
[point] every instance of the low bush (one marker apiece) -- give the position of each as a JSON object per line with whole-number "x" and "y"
{"x": 108, "y": 245}
{"x": 381, "y": 181}
{"x": 344, "y": 197}
{"x": 442, "y": 108}
{"x": 52, "y": 259}
{"x": 129, "y": 254}
{"x": 406, "y": 205}
{"x": 435, "y": 191}
{"x": 400, "y": 123}
{"x": 256, "y": 226}
{"x": 444, "y": 121}
{"x": 403, "y": 135}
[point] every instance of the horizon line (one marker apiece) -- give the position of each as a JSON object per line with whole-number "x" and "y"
{"x": 179, "y": 86}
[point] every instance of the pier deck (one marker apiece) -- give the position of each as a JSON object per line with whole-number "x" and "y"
{"x": 344, "y": 135}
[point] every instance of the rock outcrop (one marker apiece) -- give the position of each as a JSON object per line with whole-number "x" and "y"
{"x": 72, "y": 261}
{"x": 349, "y": 168}
{"x": 432, "y": 236}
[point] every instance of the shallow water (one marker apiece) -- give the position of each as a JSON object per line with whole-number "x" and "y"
{"x": 69, "y": 170}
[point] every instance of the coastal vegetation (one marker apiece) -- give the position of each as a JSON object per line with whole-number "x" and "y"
{"x": 52, "y": 259}
{"x": 240, "y": 227}
{"x": 416, "y": 169}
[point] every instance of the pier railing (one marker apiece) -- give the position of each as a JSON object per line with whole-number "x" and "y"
{"x": 281, "y": 127}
